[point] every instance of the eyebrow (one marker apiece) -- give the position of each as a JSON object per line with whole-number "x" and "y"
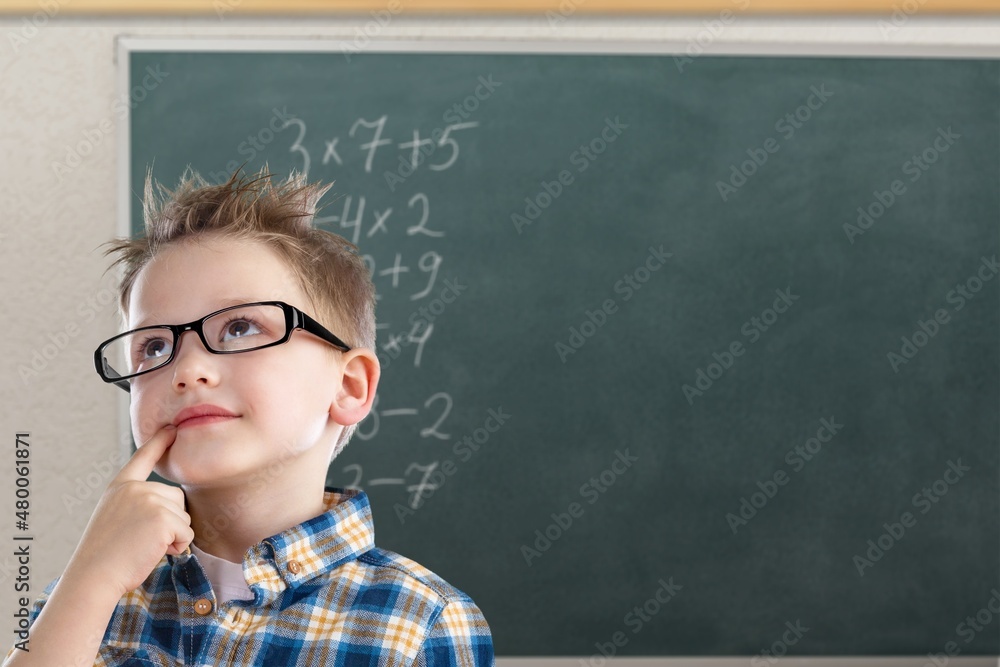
{"x": 223, "y": 303}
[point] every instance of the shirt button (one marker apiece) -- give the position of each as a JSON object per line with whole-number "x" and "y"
{"x": 203, "y": 606}
{"x": 236, "y": 616}
{"x": 294, "y": 567}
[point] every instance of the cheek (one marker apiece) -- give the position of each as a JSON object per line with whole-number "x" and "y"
{"x": 292, "y": 405}
{"x": 288, "y": 414}
{"x": 142, "y": 426}
{"x": 147, "y": 414}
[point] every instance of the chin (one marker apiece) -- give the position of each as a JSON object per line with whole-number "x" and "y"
{"x": 206, "y": 477}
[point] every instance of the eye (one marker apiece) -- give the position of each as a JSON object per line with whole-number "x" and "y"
{"x": 239, "y": 327}
{"x": 152, "y": 348}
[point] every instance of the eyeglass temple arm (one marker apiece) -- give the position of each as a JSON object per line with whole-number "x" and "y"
{"x": 318, "y": 329}
{"x": 110, "y": 372}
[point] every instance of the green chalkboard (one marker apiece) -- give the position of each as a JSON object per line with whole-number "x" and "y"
{"x": 688, "y": 356}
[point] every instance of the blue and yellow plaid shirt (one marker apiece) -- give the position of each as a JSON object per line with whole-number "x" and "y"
{"x": 324, "y": 594}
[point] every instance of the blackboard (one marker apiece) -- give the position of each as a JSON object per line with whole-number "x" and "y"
{"x": 709, "y": 345}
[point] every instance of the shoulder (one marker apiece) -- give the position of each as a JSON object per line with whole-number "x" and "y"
{"x": 457, "y": 633}
{"x": 388, "y": 566}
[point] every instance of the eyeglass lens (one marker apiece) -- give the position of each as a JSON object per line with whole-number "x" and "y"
{"x": 237, "y": 329}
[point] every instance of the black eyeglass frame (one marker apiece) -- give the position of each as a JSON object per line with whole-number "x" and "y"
{"x": 294, "y": 319}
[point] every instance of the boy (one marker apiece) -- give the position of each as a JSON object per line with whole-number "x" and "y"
{"x": 253, "y": 560}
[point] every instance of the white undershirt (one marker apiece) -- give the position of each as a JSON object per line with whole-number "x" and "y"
{"x": 225, "y": 576}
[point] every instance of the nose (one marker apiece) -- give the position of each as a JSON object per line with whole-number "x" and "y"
{"x": 192, "y": 363}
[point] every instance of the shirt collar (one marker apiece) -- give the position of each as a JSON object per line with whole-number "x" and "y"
{"x": 296, "y": 555}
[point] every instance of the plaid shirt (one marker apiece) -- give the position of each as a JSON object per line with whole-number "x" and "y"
{"x": 324, "y": 594}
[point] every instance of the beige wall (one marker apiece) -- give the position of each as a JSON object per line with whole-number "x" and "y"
{"x": 59, "y": 81}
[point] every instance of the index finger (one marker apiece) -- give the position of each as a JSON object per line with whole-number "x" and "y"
{"x": 146, "y": 457}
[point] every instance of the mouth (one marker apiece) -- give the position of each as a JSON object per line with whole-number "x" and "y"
{"x": 202, "y": 415}
{"x": 203, "y": 420}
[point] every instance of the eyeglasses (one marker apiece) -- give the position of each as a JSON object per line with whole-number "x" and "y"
{"x": 251, "y": 326}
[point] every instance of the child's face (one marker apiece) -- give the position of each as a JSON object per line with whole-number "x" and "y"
{"x": 281, "y": 396}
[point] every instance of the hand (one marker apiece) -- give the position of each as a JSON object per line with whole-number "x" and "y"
{"x": 135, "y": 522}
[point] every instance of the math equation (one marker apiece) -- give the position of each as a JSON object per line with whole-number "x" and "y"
{"x": 386, "y": 221}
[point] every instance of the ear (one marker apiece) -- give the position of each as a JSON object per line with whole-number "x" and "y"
{"x": 354, "y": 398}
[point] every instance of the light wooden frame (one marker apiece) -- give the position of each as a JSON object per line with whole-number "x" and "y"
{"x": 314, "y": 7}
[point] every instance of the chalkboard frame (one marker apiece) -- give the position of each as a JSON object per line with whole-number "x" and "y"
{"x": 127, "y": 44}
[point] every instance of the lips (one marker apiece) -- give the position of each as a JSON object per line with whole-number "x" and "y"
{"x": 202, "y": 414}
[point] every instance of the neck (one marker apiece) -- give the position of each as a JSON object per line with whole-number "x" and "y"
{"x": 227, "y": 522}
